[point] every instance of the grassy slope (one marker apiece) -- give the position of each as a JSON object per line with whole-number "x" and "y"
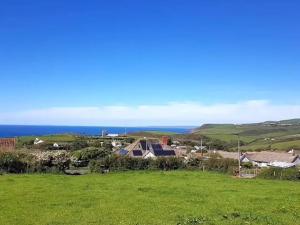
{"x": 50, "y": 138}
{"x": 285, "y": 137}
{"x": 151, "y": 134}
{"x": 146, "y": 198}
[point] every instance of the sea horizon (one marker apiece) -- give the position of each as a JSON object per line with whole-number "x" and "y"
{"x": 8, "y": 131}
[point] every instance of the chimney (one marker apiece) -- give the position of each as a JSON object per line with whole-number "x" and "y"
{"x": 164, "y": 140}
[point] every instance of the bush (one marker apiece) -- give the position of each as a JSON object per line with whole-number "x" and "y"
{"x": 119, "y": 163}
{"x": 17, "y": 162}
{"x": 78, "y": 145}
{"x": 195, "y": 163}
{"x": 13, "y": 162}
{"x": 281, "y": 174}
{"x": 95, "y": 166}
{"x": 222, "y": 165}
{"x": 126, "y": 163}
{"x": 169, "y": 163}
{"x": 247, "y": 165}
{"x": 90, "y": 153}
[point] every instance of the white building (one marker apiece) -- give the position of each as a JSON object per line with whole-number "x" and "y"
{"x": 275, "y": 159}
{"x": 38, "y": 141}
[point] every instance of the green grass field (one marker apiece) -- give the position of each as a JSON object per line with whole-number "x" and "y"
{"x": 51, "y": 138}
{"x": 48, "y": 138}
{"x": 146, "y": 198}
{"x": 151, "y": 134}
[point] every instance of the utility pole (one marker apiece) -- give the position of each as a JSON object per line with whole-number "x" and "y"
{"x": 146, "y": 143}
{"x": 239, "y": 156}
{"x": 201, "y": 147}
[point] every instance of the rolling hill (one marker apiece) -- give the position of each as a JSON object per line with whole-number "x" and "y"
{"x": 272, "y": 135}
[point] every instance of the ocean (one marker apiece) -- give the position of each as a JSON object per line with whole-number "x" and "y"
{"x": 30, "y": 130}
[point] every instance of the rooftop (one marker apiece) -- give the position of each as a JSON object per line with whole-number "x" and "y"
{"x": 269, "y": 157}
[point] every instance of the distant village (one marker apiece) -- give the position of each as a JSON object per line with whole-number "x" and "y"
{"x": 153, "y": 148}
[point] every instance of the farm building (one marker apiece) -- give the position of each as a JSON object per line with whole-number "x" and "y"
{"x": 7, "y": 144}
{"x": 274, "y": 159}
{"x": 149, "y": 148}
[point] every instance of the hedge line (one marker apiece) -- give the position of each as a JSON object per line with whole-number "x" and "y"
{"x": 119, "y": 163}
{"x": 17, "y": 162}
{"x": 280, "y": 174}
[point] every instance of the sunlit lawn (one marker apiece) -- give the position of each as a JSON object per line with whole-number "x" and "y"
{"x": 146, "y": 198}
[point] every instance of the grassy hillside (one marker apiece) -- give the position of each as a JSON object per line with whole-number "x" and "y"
{"x": 151, "y": 134}
{"x": 146, "y": 198}
{"x": 280, "y": 135}
{"x": 47, "y": 138}
{"x": 50, "y": 138}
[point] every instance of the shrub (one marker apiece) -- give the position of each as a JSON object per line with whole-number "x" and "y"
{"x": 279, "y": 173}
{"x": 90, "y": 153}
{"x": 13, "y": 162}
{"x": 247, "y": 165}
{"x": 168, "y": 163}
{"x": 222, "y": 165}
{"x": 117, "y": 163}
{"x": 18, "y": 162}
{"x": 79, "y": 145}
{"x": 95, "y": 166}
{"x": 194, "y": 163}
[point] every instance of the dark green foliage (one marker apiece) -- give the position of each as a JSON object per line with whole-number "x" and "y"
{"x": 116, "y": 163}
{"x": 78, "y": 145}
{"x": 96, "y": 143}
{"x": 195, "y": 163}
{"x": 16, "y": 162}
{"x": 27, "y": 143}
{"x": 168, "y": 163}
{"x": 12, "y": 162}
{"x": 91, "y": 153}
{"x": 130, "y": 140}
{"x": 221, "y": 165}
{"x": 247, "y": 165}
{"x": 218, "y": 144}
{"x": 96, "y": 166}
{"x": 281, "y": 174}
{"x": 107, "y": 145}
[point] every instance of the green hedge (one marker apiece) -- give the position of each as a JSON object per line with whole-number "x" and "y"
{"x": 280, "y": 174}
{"x": 119, "y": 163}
{"x": 17, "y": 162}
{"x": 14, "y": 162}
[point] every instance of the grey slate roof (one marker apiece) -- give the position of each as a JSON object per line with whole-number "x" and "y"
{"x": 141, "y": 147}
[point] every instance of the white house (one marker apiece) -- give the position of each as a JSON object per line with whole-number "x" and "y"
{"x": 275, "y": 159}
{"x": 38, "y": 141}
{"x": 55, "y": 145}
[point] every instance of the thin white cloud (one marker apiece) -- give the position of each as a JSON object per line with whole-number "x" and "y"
{"x": 176, "y": 113}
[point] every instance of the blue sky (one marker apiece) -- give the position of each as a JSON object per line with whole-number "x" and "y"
{"x": 83, "y": 54}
